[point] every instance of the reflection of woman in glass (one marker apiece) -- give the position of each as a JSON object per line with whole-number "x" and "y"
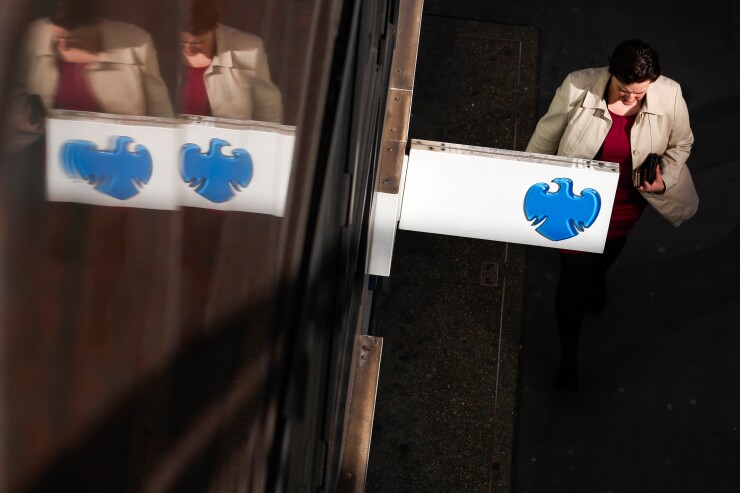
{"x": 76, "y": 61}
{"x": 226, "y": 73}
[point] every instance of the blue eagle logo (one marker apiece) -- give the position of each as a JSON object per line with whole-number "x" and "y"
{"x": 561, "y": 215}
{"x": 119, "y": 173}
{"x": 214, "y": 175}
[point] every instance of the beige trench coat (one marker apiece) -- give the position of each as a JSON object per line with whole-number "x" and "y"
{"x": 578, "y": 120}
{"x": 125, "y": 80}
{"x": 238, "y": 79}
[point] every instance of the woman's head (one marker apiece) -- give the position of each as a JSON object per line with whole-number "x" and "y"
{"x": 74, "y": 26}
{"x": 73, "y": 14}
{"x": 634, "y": 61}
{"x": 199, "y": 17}
{"x": 199, "y": 22}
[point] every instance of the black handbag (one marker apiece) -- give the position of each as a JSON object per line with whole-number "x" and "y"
{"x": 646, "y": 171}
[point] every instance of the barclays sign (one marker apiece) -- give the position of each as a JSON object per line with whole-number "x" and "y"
{"x": 508, "y": 196}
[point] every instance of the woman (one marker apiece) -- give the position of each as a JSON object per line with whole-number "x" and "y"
{"x": 76, "y": 61}
{"x": 620, "y": 114}
{"x": 225, "y": 71}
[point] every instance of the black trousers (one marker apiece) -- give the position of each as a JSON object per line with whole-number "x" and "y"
{"x": 582, "y": 285}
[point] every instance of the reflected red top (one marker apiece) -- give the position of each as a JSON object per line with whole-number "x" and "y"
{"x": 73, "y": 90}
{"x": 194, "y": 95}
{"x": 628, "y": 203}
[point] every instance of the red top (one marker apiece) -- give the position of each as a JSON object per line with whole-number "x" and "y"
{"x": 73, "y": 90}
{"x": 194, "y": 95}
{"x": 628, "y": 203}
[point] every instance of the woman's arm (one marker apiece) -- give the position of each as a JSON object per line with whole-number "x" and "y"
{"x": 550, "y": 128}
{"x": 679, "y": 144}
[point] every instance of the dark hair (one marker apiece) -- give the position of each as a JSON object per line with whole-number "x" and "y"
{"x": 634, "y": 61}
{"x": 71, "y": 14}
{"x": 199, "y": 16}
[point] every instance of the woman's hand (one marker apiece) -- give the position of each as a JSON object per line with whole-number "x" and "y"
{"x": 23, "y": 122}
{"x": 657, "y": 186}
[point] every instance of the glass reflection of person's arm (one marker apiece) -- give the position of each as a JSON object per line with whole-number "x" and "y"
{"x": 157, "y": 97}
{"x": 26, "y": 112}
{"x": 266, "y": 97}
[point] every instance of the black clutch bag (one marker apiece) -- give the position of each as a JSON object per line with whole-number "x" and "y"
{"x": 646, "y": 171}
{"x": 37, "y": 111}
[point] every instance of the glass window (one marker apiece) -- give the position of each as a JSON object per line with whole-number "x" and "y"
{"x": 137, "y": 302}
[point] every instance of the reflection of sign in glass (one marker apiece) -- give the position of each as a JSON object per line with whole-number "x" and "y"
{"x": 119, "y": 173}
{"x": 561, "y": 215}
{"x": 214, "y": 175}
{"x": 159, "y": 164}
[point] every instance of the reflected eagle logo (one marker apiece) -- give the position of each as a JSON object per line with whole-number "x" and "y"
{"x": 561, "y": 215}
{"x": 120, "y": 173}
{"x": 213, "y": 175}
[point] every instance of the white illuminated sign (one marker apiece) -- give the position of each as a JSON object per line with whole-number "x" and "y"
{"x": 166, "y": 164}
{"x": 508, "y": 196}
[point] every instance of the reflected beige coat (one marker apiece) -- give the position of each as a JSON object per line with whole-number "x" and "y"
{"x": 238, "y": 80}
{"x": 578, "y": 120}
{"x": 125, "y": 80}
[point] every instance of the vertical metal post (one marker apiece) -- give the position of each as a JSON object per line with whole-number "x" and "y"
{"x": 363, "y": 391}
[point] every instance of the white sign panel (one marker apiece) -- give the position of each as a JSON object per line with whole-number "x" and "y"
{"x": 166, "y": 164}
{"x": 508, "y": 196}
{"x": 383, "y": 234}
